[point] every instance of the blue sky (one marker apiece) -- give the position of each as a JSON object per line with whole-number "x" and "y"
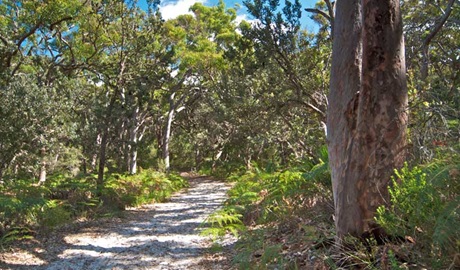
{"x": 172, "y": 8}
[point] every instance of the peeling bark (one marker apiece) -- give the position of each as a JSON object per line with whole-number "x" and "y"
{"x": 345, "y": 85}
{"x": 367, "y": 110}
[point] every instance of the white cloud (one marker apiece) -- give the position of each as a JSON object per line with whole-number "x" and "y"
{"x": 241, "y": 17}
{"x": 244, "y": 17}
{"x": 170, "y": 10}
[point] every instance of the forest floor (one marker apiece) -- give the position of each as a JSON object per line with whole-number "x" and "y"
{"x": 155, "y": 236}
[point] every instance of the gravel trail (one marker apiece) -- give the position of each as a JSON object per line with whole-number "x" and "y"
{"x": 157, "y": 236}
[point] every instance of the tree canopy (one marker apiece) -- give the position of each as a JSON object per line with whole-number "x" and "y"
{"x": 96, "y": 87}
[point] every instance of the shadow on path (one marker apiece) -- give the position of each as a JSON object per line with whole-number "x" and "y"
{"x": 156, "y": 236}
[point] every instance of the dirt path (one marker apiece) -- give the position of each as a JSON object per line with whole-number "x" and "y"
{"x": 158, "y": 236}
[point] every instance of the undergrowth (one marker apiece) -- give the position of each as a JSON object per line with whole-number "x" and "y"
{"x": 425, "y": 210}
{"x": 26, "y": 207}
{"x": 274, "y": 212}
{"x": 284, "y": 220}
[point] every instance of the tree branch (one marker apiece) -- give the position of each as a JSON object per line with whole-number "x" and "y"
{"x": 4, "y": 41}
{"x": 330, "y": 15}
{"x": 60, "y": 21}
{"x": 319, "y": 12}
{"x": 440, "y": 24}
{"x": 427, "y": 40}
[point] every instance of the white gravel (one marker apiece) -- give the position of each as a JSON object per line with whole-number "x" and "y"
{"x": 158, "y": 236}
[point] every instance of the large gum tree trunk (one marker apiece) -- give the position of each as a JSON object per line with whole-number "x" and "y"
{"x": 367, "y": 114}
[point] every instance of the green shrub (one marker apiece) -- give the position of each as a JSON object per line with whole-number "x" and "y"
{"x": 18, "y": 209}
{"x": 425, "y": 205}
{"x": 270, "y": 200}
{"x": 146, "y": 187}
{"x": 55, "y": 213}
{"x": 17, "y": 216}
{"x": 228, "y": 219}
{"x": 25, "y": 206}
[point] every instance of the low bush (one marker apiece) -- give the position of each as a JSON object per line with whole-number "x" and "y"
{"x": 25, "y": 206}
{"x": 425, "y": 208}
{"x": 274, "y": 211}
{"x": 145, "y": 187}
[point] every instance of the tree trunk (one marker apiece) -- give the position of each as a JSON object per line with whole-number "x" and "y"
{"x": 367, "y": 114}
{"x": 167, "y": 135}
{"x": 216, "y": 158}
{"x": 84, "y": 166}
{"x": 1, "y": 173}
{"x": 427, "y": 40}
{"x": 133, "y": 139}
{"x": 197, "y": 157}
{"x": 102, "y": 160}
{"x": 345, "y": 84}
{"x": 104, "y": 140}
{"x": 42, "y": 177}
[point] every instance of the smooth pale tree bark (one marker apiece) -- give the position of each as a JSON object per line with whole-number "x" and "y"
{"x": 102, "y": 159}
{"x": 42, "y": 177}
{"x": 173, "y": 108}
{"x": 367, "y": 114}
{"x": 167, "y": 136}
{"x": 133, "y": 139}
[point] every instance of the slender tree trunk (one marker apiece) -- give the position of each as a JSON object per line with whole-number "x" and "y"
{"x": 367, "y": 110}
{"x": 166, "y": 138}
{"x": 216, "y": 158}
{"x": 197, "y": 157}
{"x": 103, "y": 145}
{"x": 84, "y": 166}
{"x": 102, "y": 160}
{"x": 42, "y": 177}
{"x": 133, "y": 139}
{"x": 94, "y": 162}
{"x": 107, "y": 122}
{"x": 133, "y": 164}
{"x": 1, "y": 173}
{"x": 425, "y": 63}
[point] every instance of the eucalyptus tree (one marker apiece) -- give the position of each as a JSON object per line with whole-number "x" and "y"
{"x": 25, "y": 111}
{"x": 367, "y": 112}
{"x": 428, "y": 25}
{"x": 280, "y": 84}
{"x": 278, "y": 35}
{"x": 26, "y": 26}
{"x": 30, "y": 78}
{"x": 432, "y": 48}
{"x": 117, "y": 53}
{"x": 199, "y": 41}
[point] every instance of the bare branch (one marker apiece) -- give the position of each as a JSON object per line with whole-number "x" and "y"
{"x": 319, "y": 12}
{"x": 4, "y": 40}
{"x": 438, "y": 26}
{"x": 426, "y": 42}
{"x": 330, "y": 8}
{"x": 328, "y": 16}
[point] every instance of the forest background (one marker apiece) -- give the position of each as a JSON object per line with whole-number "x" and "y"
{"x": 101, "y": 100}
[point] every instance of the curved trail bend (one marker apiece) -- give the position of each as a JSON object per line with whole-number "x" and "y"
{"x": 157, "y": 236}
